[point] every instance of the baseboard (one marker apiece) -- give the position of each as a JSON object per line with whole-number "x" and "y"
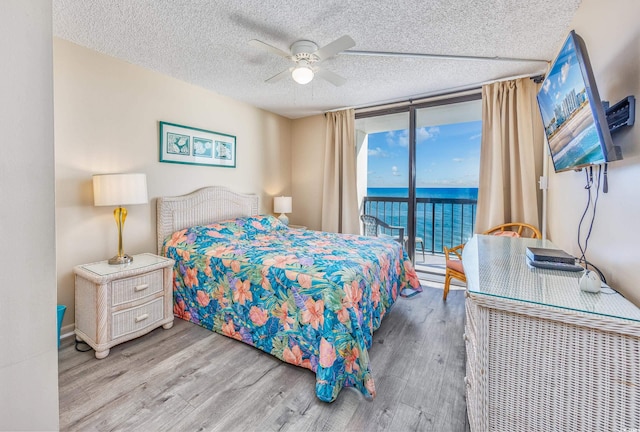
{"x": 67, "y": 331}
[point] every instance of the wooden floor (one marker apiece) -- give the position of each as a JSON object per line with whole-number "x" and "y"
{"x": 190, "y": 379}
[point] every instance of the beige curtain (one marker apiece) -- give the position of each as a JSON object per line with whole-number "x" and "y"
{"x": 511, "y": 155}
{"x": 339, "y": 193}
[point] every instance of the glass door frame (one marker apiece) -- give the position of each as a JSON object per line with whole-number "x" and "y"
{"x": 410, "y": 107}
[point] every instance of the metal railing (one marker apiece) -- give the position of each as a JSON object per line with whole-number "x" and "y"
{"x": 439, "y": 221}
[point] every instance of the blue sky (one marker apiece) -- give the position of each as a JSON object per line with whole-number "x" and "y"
{"x": 563, "y": 76}
{"x": 446, "y": 156}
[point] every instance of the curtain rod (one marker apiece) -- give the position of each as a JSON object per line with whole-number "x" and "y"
{"x": 440, "y": 94}
{"x": 460, "y": 91}
{"x": 533, "y": 76}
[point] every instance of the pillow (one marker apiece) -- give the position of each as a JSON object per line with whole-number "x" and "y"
{"x": 456, "y": 265}
{"x": 251, "y": 225}
{"x": 506, "y": 234}
{"x": 226, "y": 230}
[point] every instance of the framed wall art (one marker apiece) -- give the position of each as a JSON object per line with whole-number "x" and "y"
{"x": 188, "y": 145}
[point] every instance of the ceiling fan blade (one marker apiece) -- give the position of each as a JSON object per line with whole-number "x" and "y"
{"x": 333, "y": 78}
{"x": 277, "y": 77}
{"x": 265, "y": 46}
{"x": 338, "y": 45}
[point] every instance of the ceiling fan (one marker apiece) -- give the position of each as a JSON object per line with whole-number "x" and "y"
{"x": 306, "y": 55}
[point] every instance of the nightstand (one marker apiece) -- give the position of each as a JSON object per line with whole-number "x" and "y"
{"x": 117, "y": 303}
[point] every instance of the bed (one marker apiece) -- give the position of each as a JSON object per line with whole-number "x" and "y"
{"x": 310, "y": 298}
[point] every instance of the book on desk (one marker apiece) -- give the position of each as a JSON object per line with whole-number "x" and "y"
{"x": 553, "y": 259}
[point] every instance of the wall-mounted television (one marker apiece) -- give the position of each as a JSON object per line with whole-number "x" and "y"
{"x": 572, "y": 112}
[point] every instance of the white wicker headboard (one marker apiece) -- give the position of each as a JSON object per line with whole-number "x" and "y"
{"x": 202, "y": 207}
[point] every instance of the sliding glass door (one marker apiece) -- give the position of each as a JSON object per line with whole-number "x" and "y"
{"x": 418, "y": 168}
{"x": 447, "y": 173}
{"x": 383, "y": 161}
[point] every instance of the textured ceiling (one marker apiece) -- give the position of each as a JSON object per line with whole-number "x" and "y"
{"x": 205, "y": 42}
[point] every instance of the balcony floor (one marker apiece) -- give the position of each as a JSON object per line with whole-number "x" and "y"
{"x": 432, "y": 268}
{"x": 431, "y": 263}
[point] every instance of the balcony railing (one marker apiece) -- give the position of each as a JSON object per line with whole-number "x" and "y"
{"x": 439, "y": 221}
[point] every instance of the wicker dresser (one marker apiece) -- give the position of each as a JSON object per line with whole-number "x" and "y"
{"x": 541, "y": 354}
{"x": 117, "y": 303}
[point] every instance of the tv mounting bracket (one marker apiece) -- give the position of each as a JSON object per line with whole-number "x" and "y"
{"x": 621, "y": 114}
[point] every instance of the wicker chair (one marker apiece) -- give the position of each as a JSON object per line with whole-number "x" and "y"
{"x": 453, "y": 267}
{"x": 372, "y": 227}
{"x": 515, "y": 229}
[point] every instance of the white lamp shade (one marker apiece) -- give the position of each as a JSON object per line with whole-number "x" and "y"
{"x": 282, "y": 204}
{"x": 302, "y": 74}
{"x": 119, "y": 189}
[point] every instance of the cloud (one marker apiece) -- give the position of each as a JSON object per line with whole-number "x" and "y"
{"x": 558, "y": 95}
{"x": 401, "y": 138}
{"x": 564, "y": 72}
{"x": 475, "y": 137}
{"x": 423, "y": 133}
{"x": 546, "y": 86}
{"x": 457, "y": 160}
{"x": 391, "y": 138}
{"x": 394, "y": 171}
{"x": 377, "y": 152}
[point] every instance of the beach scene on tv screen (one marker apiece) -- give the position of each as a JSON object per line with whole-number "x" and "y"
{"x": 567, "y": 114}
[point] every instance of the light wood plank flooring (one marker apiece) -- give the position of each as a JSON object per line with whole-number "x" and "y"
{"x": 190, "y": 379}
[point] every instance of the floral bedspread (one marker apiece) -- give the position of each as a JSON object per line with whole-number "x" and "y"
{"x": 309, "y": 298}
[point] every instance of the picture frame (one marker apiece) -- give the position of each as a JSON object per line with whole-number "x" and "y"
{"x": 193, "y": 146}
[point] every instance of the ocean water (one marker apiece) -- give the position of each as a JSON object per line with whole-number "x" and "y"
{"x": 582, "y": 150}
{"x": 438, "y": 224}
{"x": 462, "y": 193}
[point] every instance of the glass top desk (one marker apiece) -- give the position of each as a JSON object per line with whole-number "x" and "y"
{"x": 497, "y": 266}
{"x": 540, "y": 353}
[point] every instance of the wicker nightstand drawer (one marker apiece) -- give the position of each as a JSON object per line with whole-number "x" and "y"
{"x": 134, "y": 319}
{"x": 117, "y": 303}
{"x": 134, "y": 288}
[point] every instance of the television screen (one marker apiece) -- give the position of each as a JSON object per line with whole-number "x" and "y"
{"x": 572, "y": 113}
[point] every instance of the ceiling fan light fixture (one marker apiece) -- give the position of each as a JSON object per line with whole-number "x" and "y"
{"x": 302, "y": 74}
{"x": 306, "y": 57}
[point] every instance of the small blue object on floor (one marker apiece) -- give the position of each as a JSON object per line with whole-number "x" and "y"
{"x": 61, "y": 310}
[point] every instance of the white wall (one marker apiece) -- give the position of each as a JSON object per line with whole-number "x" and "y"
{"x": 362, "y": 163}
{"x": 28, "y": 345}
{"x": 612, "y": 36}
{"x": 106, "y": 120}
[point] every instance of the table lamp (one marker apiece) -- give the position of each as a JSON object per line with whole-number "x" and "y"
{"x": 282, "y": 205}
{"x": 119, "y": 190}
